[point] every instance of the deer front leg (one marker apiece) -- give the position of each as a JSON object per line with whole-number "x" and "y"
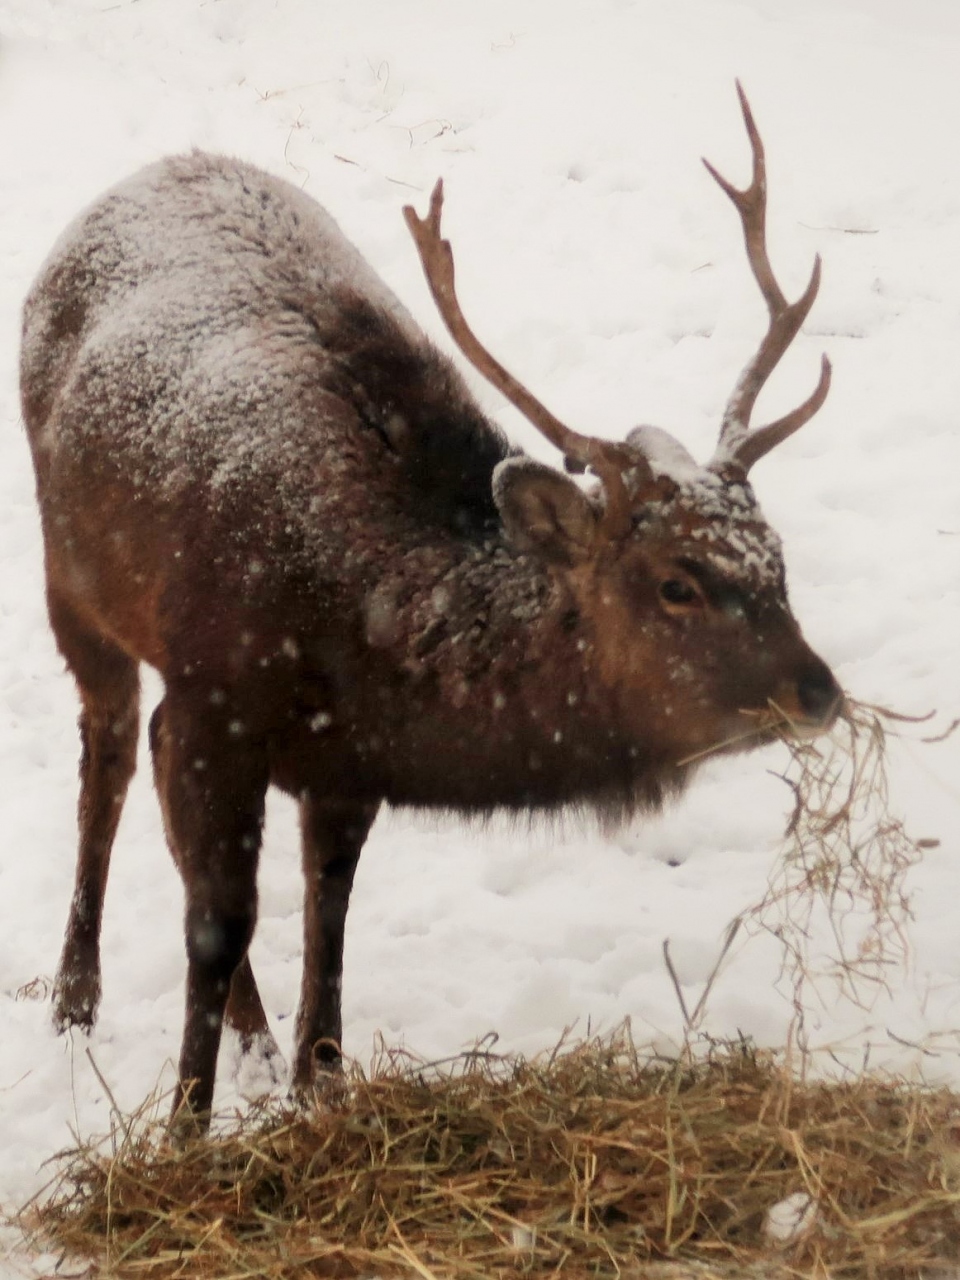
{"x": 213, "y": 803}
{"x": 244, "y": 1012}
{"x": 333, "y": 835}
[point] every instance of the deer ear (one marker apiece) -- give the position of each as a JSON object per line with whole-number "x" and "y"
{"x": 543, "y": 512}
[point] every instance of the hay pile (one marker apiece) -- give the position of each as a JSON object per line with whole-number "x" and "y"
{"x": 592, "y": 1162}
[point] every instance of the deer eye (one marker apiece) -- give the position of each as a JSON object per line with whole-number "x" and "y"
{"x": 678, "y": 592}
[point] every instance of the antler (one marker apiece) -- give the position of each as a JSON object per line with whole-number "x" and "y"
{"x": 737, "y": 443}
{"x": 607, "y": 459}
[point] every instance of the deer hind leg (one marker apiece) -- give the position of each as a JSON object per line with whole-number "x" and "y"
{"x": 212, "y": 789}
{"x": 333, "y": 836}
{"x": 245, "y": 1013}
{"x": 108, "y": 684}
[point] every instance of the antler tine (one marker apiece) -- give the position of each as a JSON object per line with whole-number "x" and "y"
{"x": 761, "y": 440}
{"x": 737, "y": 442}
{"x": 436, "y": 256}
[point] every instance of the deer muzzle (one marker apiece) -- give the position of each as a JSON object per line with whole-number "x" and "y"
{"x": 812, "y": 701}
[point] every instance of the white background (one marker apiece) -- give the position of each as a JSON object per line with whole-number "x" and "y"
{"x": 598, "y": 258}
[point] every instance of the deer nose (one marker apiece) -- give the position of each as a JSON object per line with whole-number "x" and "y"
{"x": 819, "y": 694}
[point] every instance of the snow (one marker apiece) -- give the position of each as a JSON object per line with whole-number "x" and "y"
{"x": 598, "y": 260}
{"x": 791, "y": 1218}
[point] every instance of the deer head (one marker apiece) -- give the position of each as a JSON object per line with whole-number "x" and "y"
{"x": 695, "y": 530}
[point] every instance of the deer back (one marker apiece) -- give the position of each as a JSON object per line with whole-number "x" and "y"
{"x": 209, "y": 367}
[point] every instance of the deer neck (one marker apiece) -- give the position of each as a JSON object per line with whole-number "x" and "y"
{"x": 494, "y": 686}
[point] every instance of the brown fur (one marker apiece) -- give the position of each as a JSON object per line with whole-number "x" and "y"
{"x": 255, "y": 474}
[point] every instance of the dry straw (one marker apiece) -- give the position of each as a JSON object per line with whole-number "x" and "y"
{"x": 844, "y": 864}
{"x": 597, "y": 1160}
{"x": 593, "y": 1162}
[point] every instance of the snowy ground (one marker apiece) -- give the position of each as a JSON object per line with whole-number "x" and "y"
{"x": 598, "y": 258}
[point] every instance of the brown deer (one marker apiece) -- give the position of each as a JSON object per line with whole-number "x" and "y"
{"x": 257, "y": 475}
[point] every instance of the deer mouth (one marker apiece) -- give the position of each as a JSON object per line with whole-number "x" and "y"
{"x": 774, "y": 723}
{"x": 807, "y": 730}
{"x": 792, "y": 717}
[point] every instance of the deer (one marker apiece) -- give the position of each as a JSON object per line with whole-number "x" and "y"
{"x": 257, "y": 475}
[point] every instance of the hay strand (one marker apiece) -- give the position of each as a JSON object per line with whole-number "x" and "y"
{"x": 845, "y": 862}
